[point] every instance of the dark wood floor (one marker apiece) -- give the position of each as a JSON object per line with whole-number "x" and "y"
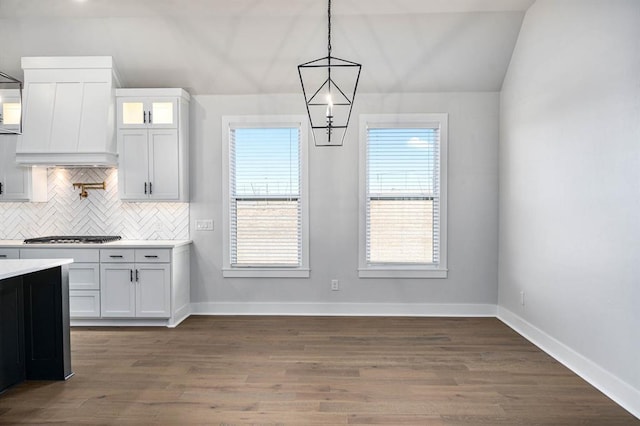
{"x": 312, "y": 370}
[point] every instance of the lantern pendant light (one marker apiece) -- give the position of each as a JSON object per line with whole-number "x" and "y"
{"x": 329, "y": 87}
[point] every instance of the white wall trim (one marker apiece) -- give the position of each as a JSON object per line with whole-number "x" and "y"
{"x": 621, "y": 392}
{"x": 346, "y": 309}
{"x": 180, "y": 315}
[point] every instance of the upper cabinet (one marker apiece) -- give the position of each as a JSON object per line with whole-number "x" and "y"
{"x": 153, "y": 136}
{"x": 69, "y": 112}
{"x": 10, "y": 108}
{"x": 19, "y": 183}
{"x": 159, "y": 113}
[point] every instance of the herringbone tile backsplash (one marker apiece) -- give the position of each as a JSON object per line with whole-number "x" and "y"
{"x": 101, "y": 213}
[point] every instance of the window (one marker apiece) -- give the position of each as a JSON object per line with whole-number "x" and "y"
{"x": 403, "y": 185}
{"x": 266, "y": 208}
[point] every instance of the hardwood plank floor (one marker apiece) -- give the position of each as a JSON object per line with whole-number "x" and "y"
{"x": 312, "y": 370}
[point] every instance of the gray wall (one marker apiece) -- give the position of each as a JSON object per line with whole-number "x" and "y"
{"x": 570, "y": 181}
{"x": 333, "y": 180}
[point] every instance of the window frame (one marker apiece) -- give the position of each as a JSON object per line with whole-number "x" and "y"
{"x": 265, "y": 121}
{"x": 399, "y": 270}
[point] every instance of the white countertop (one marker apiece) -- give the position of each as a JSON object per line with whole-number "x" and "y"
{"x": 13, "y": 268}
{"x": 115, "y": 244}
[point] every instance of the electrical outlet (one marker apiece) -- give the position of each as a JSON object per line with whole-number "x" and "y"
{"x": 335, "y": 285}
{"x": 204, "y": 225}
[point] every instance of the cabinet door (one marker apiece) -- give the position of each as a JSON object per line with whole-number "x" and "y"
{"x": 117, "y": 290}
{"x": 84, "y": 276}
{"x": 12, "y": 350}
{"x": 84, "y": 304}
{"x": 163, "y": 113}
{"x": 15, "y": 179}
{"x": 153, "y": 290}
{"x": 164, "y": 164}
{"x": 10, "y": 109}
{"x": 132, "y": 113}
{"x": 133, "y": 171}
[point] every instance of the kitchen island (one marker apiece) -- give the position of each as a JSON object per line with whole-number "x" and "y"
{"x": 34, "y": 321}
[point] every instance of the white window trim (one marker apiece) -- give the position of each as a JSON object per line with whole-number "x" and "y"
{"x": 300, "y": 121}
{"x": 402, "y": 271}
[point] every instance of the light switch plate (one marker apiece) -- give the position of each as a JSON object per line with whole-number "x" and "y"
{"x": 204, "y": 225}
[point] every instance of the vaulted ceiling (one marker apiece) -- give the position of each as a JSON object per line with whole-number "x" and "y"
{"x": 254, "y": 46}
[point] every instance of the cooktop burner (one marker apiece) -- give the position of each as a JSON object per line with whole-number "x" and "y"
{"x": 71, "y": 239}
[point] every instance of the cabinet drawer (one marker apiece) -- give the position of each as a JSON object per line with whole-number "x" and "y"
{"x": 78, "y": 255}
{"x": 116, "y": 255}
{"x": 84, "y": 303}
{"x": 9, "y": 253}
{"x": 84, "y": 276}
{"x": 153, "y": 255}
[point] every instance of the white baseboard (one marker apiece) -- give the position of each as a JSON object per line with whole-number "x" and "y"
{"x": 346, "y": 309}
{"x": 179, "y": 316}
{"x": 119, "y": 322}
{"x": 621, "y": 392}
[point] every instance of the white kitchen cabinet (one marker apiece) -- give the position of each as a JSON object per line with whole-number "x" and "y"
{"x": 68, "y": 116}
{"x": 146, "y": 112}
{"x": 9, "y": 253}
{"x": 84, "y": 277}
{"x": 135, "y": 290}
{"x": 10, "y": 110}
{"x": 139, "y": 283}
{"x": 19, "y": 183}
{"x": 153, "y": 152}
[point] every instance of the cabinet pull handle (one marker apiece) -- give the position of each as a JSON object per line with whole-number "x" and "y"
{"x": 0, "y": 188}
{"x": 148, "y": 256}
{"x": 3, "y": 256}
{"x": 115, "y": 256}
{"x": 131, "y": 275}
{"x": 144, "y": 117}
{"x": 145, "y": 188}
{"x": 137, "y": 276}
{"x": 150, "y": 188}
{"x": 150, "y": 120}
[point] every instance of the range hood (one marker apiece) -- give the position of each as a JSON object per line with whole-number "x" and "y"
{"x": 68, "y": 112}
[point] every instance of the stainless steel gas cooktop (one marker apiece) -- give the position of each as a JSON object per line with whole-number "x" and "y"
{"x": 73, "y": 239}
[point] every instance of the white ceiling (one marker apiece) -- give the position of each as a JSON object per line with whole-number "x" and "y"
{"x": 254, "y": 46}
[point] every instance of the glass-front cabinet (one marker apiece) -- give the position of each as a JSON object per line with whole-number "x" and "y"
{"x": 153, "y": 135}
{"x": 147, "y": 112}
{"x": 10, "y": 111}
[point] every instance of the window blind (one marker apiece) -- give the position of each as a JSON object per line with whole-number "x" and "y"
{"x": 403, "y": 195}
{"x": 265, "y": 207}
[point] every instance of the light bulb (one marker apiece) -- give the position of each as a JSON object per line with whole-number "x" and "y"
{"x": 329, "y": 106}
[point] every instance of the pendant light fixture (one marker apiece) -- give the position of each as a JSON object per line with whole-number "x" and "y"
{"x": 10, "y": 105}
{"x": 329, "y": 87}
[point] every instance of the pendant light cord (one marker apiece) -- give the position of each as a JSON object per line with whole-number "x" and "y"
{"x": 329, "y": 29}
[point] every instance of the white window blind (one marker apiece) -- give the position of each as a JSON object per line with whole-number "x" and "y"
{"x": 265, "y": 214}
{"x": 403, "y": 194}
